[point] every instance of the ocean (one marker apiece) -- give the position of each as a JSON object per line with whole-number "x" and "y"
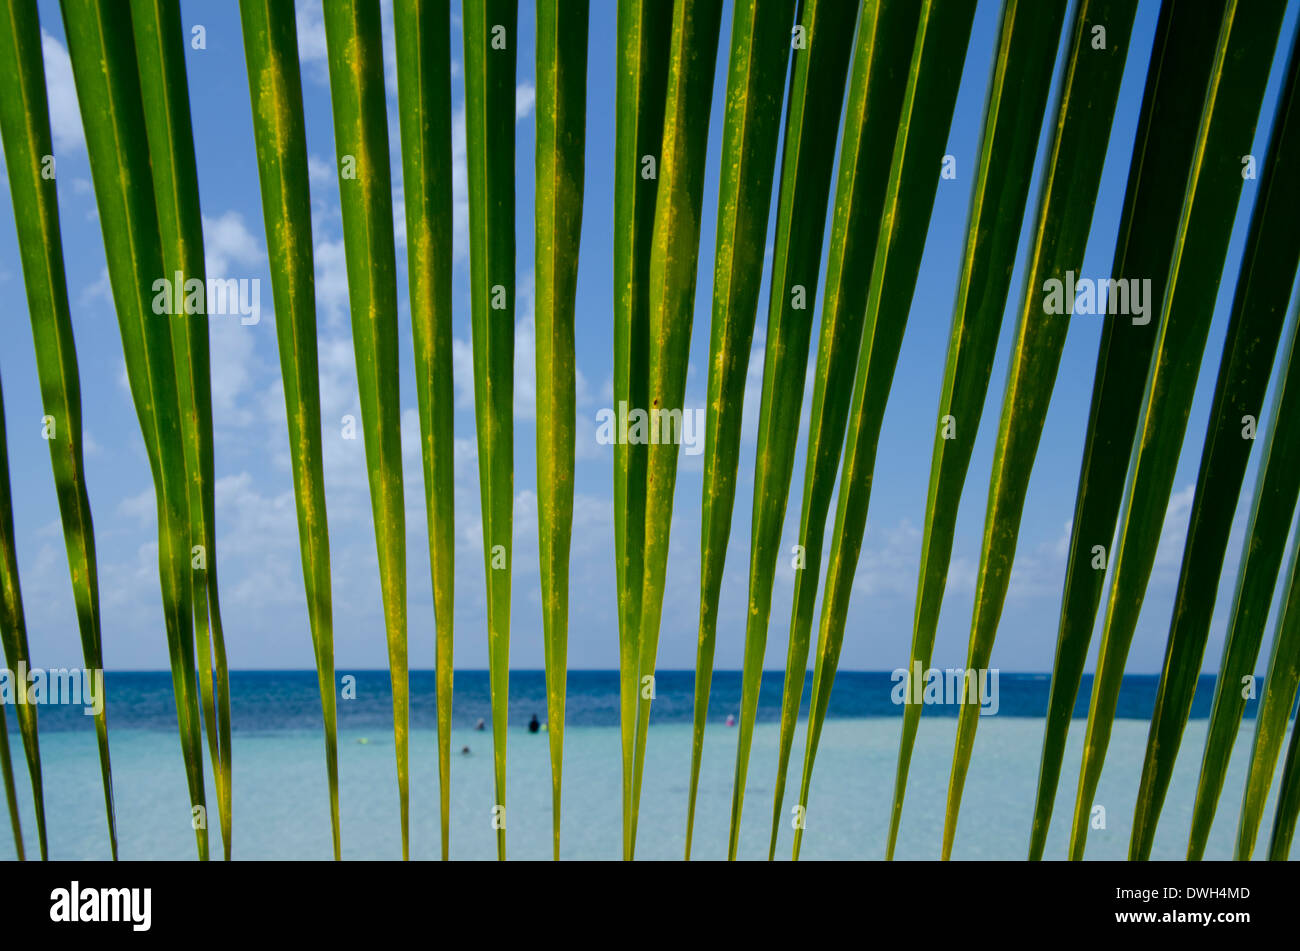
{"x": 280, "y": 803}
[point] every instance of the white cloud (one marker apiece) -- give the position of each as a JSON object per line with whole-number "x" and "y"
{"x": 226, "y": 241}
{"x": 312, "y": 52}
{"x": 753, "y": 388}
{"x": 525, "y": 401}
{"x": 140, "y": 507}
{"x": 459, "y": 187}
{"x": 1061, "y": 548}
{"x": 462, "y": 372}
{"x": 320, "y": 171}
{"x": 1173, "y": 533}
{"x": 331, "y": 281}
{"x": 525, "y": 99}
{"x": 889, "y": 560}
{"x": 100, "y": 291}
{"x": 235, "y": 367}
{"x": 65, "y": 117}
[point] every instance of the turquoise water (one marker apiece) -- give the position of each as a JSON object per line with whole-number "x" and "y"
{"x": 280, "y": 801}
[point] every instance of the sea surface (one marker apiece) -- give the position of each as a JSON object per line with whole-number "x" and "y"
{"x": 280, "y": 803}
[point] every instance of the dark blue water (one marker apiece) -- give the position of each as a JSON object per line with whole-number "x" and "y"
{"x": 264, "y": 701}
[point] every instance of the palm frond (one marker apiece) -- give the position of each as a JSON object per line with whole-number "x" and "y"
{"x": 817, "y": 80}
{"x": 561, "y": 141}
{"x": 1069, "y": 192}
{"x": 1242, "y": 60}
{"x": 424, "y": 102}
{"x": 942, "y": 35}
{"x": 644, "y": 33}
{"x": 104, "y": 67}
{"x": 1179, "y": 71}
{"x": 886, "y": 32}
{"x": 356, "y": 70}
{"x": 1276, "y": 489}
{"x": 760, "y": 43}
{"x": 1259, "y": 310}
{"x": 490, "y": 53}
{"x": 271, "y": 54}
{"x": 674, "y": 254}
{"x": 1026, "y": 51}
{"x": 165, "y": 92}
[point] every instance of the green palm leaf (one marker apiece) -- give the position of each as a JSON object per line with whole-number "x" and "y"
{"x": 760, "y": 43}
{"x": 104, "y": 68}
{"x": 817, "y": 83}
{"x": 561, "y": 140}
{"x": 356, "y": 69}
{"x": 165, "y": 91}
{"x": 424, "y": 100}
{"x": 1288, "y": 803}
{"x": 13, "y": 637}
{"x": 490, "y": 38}
{"x": 674, "y": 255}
{"x": 271, "y": 53}
{"x": 886, "y": 32}
{"x": 11, "y": 793}
{"x": 1026, "y": 51}
{"x": 1259, "y": 310}
{"x": 1069, "y": 191}
{"x": 942, "y": 36}
{"x": 25, "y": 126}
{"x": 1179, "y": 71}
{"x": 1242, "y": 60}
{"x": 1274, "y": 712}
{"x": 644, "y": 32}
{"x": 1276, "y": 489}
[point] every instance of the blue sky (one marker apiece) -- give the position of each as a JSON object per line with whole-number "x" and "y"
{"x": 262, "y": 592}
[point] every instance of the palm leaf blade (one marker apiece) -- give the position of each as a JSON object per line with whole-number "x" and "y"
{"x": 644, "y": 33}
{"x": 817, "y": 80}
{"x": 1029, "y": 37}
{"x": 751, "y": 125}
{"x": 165, "y": 92}
{"x": 673, "y": 257}
{"x": 104, "y": 66}
{"x": 424, "y": 98}
{"x": 1084, "y": 114}
{"x": 1240, "y": 73}
{"x": 356, "y": 71}
{"x": 1276, "y": 490}
{"x": 939, "y": 51}
{"x": 490, "y": 38}
{"x": 886, "y": 32}
{"x": 271, "y": 52}
{"x": 1179, "y": 71}
{"x": 561, "y": 137}
{"x": 1258, "y": 314}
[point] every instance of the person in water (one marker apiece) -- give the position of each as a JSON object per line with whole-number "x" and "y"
{"x": 534, "y": 724}
{"x": 480, "y": 725}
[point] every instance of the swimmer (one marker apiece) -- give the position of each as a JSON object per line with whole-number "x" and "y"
{"x": 731, "y": 720}
{"x": 534, "y": 724}
{"x": 480, "y": 725}
{"x": 464, "y": 751}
